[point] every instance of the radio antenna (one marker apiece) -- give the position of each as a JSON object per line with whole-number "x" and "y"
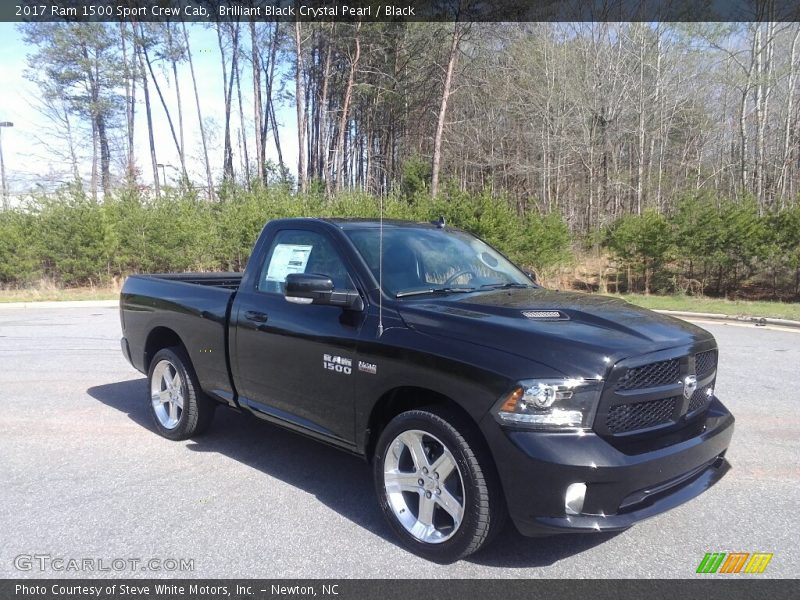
{"x": 380, "y": 272}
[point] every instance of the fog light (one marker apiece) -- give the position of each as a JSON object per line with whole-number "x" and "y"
{"x": 573, "y": 499}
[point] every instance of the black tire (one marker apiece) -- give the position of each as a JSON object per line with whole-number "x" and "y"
{"x": 198, "y": 409}
{"x": 484, "y": 510}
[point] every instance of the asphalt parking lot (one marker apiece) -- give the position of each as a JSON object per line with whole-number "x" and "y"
{"x": 82, "y": 474}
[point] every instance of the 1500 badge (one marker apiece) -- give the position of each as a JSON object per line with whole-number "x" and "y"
{"x": 339, "y": 364}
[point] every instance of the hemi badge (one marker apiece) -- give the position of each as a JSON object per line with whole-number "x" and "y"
{"x": 367, "y": 367}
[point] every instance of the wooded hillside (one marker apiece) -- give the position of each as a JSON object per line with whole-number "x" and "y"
{"x": 621, "y": 131}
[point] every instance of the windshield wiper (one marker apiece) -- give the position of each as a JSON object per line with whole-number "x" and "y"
{"x": 447, "y": 290}
{"x": 503, "y": 286}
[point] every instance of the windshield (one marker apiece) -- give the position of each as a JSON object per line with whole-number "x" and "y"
{"x": 417, "y": 260}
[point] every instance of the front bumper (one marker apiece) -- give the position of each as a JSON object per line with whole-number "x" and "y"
{"x": 626, "y": 482}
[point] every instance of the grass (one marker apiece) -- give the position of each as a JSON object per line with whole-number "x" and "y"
{"x": 778, "y": 310}
{"x": 43, "y": 294}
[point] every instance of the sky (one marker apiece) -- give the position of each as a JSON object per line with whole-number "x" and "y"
{"x": 29, "y": 160}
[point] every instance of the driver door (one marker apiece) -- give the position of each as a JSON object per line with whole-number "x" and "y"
{"x": 295, "y": 362}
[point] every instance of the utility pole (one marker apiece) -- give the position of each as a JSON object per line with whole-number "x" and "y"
{"x": 163, "y": 173}
{"x": 163, "y": 166}
{"x": 3, "y": 164}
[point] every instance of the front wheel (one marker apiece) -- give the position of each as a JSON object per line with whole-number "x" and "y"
{"x": 437, "y": 485}
{"x": 179, "y": 408}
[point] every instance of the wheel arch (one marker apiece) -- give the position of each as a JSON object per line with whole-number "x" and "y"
{"x": 401, "y": 399}
{"x": 159, "y": 338}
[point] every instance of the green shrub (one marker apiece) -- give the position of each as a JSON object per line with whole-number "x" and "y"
{"x": 714, "y": 244}
{"x": 642, "y": 242}
{"x": 74, "y": 240}
{"x": 416, "y": 176}
{"x": 18, "y": 262}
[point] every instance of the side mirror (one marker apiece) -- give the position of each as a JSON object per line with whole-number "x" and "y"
{"x": 531, "y": 275}
{"x": 311, "y": 288}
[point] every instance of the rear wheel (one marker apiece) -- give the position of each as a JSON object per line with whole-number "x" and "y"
{"x": 437, "y": 485}
{"x": 179, "y": 408}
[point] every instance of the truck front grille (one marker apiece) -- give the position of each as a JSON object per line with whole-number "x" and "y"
{"x": 705, "y": 363}
{"x": 648, "y": 396}
{"x": 623, "y": 418}
{"x": 652, "y": 375}
{"x": 699, "y": 398}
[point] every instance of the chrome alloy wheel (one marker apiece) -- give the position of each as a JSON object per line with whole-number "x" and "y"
{"x": 424, "y": 486}
{"x": 166, "y": 393}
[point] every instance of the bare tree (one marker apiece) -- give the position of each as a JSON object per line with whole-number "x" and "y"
{"x": 786, "y": 157}
{"x": 232, "y": 31}
{"x": 209, "y": 180}
{"x": 178, "y": 145}
{"x": 149, "y": 114}
{"x": 243, "y": 138}
{"x": 258, "y": 109}
{"x": 452, "y": 58}
{"x": 302, "y": 117}
{"x": 345, "y": 116}
{"x": 130, "y": 80}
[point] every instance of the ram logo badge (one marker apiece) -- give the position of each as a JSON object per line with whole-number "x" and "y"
{"x": 689, "y": 386}
{"x": 339, "y": 364}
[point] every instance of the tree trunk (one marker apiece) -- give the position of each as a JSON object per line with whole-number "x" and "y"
{"x": 743, "y": 110}
{"x": 787, "y": 130}
{"x": 301, "y": 108}
{"x": 94, "y": 92}
{"x": 130, "y": 109}
{"x": 277, "y": 139}
{"x": 246, "y": 157}
{"x": 227, "y": 82}
{"x": 94, "y": 160}
{"x": 345, "y": 116}
{"x": 163, "y": 102}
{"x": 73, "y": 156}
{"x": 763, "y": 93}
{"x": 324, "y": 143}
{"x": 149, "y": 114}
{"x": 273, "y": 56}
{"x": 102, "y": 133}
{"x": 641, "y": 132}
{"x": 258, "y": 112}
{"x": 105, "y": 155}
{"x": 182, "y": 151}
{"x": 209, "y": 180}
{"x": 437, "y": 140}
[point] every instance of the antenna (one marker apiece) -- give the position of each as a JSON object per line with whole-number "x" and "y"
{"x": 380, "y": 274}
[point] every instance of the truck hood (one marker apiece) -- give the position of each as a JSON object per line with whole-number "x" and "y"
{"x": 593, "y": 333}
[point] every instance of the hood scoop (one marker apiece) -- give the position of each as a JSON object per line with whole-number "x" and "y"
{"x": 545, "y": 315}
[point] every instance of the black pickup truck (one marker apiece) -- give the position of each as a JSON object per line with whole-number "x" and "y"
{"x": 474, "y": 393}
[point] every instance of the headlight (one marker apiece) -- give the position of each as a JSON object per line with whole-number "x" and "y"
{"x": 551, "y": 403}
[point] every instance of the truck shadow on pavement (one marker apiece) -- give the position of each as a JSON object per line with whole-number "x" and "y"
{"x": 341, "y": 481}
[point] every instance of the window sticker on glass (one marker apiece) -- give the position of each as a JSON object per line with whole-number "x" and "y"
{"x": 287, "y": 258}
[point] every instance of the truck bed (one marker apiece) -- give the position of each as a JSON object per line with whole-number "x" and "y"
{"x": 196, "y": 307}
{"x": 228, "y": 281}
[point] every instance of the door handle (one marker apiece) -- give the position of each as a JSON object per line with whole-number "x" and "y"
{"x": 258, "y": 317}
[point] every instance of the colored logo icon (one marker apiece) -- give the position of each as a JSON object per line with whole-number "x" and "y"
{"x": 734, "y": 562}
